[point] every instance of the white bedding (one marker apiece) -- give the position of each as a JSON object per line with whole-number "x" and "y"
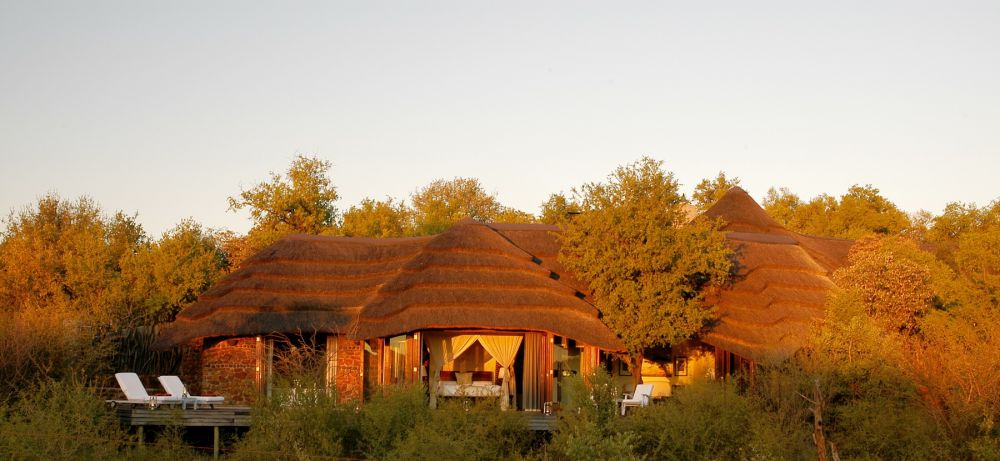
{"x": 476, "y": 389}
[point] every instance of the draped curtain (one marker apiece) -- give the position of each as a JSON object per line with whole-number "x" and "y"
{"x": 445, "y": 348}
{"x": 535, "y": 368}
{"x": 504, "y": 350}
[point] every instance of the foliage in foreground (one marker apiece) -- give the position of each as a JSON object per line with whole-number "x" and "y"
{"x": 395, "y": 424}
{"x": 65, "y": 420}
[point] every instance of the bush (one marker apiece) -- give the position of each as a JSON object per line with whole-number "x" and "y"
{"x": 60, "y": 420}
{"x": 586, "y": 429}
{"x": 388, "y": 417}
{"x": 317, "y": 427}
{"x": 41, "y": 345}
{"x": 465, "y": 432}
{"x": 881, "y": 419}
{"x": 701, "y": 421}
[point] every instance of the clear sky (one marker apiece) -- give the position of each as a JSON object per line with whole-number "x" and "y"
{"x": 166, "y": 108}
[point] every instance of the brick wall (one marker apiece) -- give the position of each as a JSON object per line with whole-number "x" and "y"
{"x": 350, "y": 364}
{"x": 229, "y": 368}
{"x": 190, "y": 371}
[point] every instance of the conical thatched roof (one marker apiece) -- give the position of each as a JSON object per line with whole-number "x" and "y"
{"x": 783, "y": 281}
{"x": 506, "y": 277}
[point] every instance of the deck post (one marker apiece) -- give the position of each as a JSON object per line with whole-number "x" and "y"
{"x": 215, "y": 442}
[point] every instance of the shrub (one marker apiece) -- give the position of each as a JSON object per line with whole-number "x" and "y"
{"x": 388, "y": 417}
{"x": 315, "y": 427}
{"x": 700, "y": 421}
{"x": 464, "y": 432}
{"x": 39, "y": 345}
{"x": 586, "y": 427}
{"x": 881, "y": 419}
{"x": 60, "y": 420}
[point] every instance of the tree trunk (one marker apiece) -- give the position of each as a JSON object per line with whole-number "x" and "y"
{"x": 819, "y": 435}
{"x": 637, "y": 368}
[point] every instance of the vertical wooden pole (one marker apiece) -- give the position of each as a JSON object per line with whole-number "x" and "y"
{"x": 215, "y": 442}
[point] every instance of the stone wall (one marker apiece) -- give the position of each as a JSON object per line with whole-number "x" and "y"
{"x": 229, "y": 367}
{"x": 350, "y": 366}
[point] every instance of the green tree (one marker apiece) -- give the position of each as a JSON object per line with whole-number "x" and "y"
{"x": 377, "y": 218}
{"x": 962, "y": 225}
{"x": 648, "y": 272}
{"x": 955, "y": 363}
{"x": 170, "y": 274}
{"x": 898, "y": 283}
{"x": 709, "y": 191}
{"x": 978, "y": 261}
{"x": 300, "y": 202}
{"x": 444, "y": 202}
{"x": 960, "y": 218}
{"x": 861, "y": 211}
{"x": 558, "y": 209}
{"x": 62, "y": 255}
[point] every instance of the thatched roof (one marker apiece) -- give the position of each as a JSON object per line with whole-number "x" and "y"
{"x": 476, "y": 276}
{"x": 471, "y": 276}
{"x": 299, "y": 283}
{"x": 783, "y": 281}
{"x": 505, "y": 277}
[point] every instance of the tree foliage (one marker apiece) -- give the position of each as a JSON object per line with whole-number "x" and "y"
{"x": 558, "y": 209}
{"x": 968, "y": 238}
{"x": 444, "y": 202}
{"x": 648, "y": 272}
{"x": 378, "y": 218}
{"x": 169, "y": 274}
{"x": 709, "y": 191}
{"x": 75, "y": 282}
{"x": 898, "y": 283}
{"x": 910, "y": 343}
{"x": 861, "y": 211}
{"x": 63, "y": 255}
{"x": 300, "y": 202}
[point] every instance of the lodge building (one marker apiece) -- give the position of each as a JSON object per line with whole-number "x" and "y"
{"x": 483, "y": 310}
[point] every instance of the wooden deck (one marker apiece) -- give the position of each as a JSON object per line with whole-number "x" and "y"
{"x": 220, "y": 416}
{"x": 166, "y": 415}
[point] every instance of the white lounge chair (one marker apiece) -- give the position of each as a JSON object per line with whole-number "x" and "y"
{"x": 175, "y": 387}
{"x": 135, "y": 392}
{"x": 640, "y": 398}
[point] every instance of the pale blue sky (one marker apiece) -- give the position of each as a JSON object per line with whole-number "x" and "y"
{"x": 167, "y": 108}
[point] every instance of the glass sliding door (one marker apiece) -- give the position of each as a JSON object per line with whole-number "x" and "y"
{"x": 566, "y": 362}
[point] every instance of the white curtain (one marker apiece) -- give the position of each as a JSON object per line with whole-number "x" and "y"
{"x": 444, "y": 349}
{"x": 504, "y": 349}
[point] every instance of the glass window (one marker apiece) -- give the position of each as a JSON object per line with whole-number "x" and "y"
{"x": 395, "y": 360}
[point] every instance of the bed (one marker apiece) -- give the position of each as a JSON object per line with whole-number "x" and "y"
{"x": 468, "y": 384}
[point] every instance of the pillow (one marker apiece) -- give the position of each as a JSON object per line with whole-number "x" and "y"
{"x": 464, "y": 379}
